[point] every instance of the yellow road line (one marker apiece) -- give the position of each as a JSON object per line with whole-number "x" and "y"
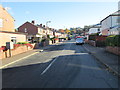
{"x": 18, "y": 60}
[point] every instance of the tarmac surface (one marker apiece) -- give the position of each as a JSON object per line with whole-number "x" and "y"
{"x": 64, "y": 65}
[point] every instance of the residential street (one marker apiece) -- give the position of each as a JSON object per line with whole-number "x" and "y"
{"x": 65, "y": 65}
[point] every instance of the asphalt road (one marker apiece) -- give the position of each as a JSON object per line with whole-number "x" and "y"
{"x": 66, "y": 65}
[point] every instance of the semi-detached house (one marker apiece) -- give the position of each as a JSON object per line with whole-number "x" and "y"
{"x": 7, "y": 31}
{"x": 35, "y": 31}
{"x": 111, "y": 24}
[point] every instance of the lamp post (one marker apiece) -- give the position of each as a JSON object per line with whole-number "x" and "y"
{"x": 47, "y": 23}
{"x": 47, "y": 26}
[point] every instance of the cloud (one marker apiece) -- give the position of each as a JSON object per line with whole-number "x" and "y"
{"x": 8, "y": 8}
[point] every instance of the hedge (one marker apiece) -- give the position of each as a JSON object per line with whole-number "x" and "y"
{"x": 113, "y": 40}
{"x": 22, "y": 42}
{"x": 93, "y": 36}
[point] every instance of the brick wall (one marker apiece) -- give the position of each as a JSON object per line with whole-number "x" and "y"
{"x": 21, "y": 49}
{"x": 114, "y": 50}
{"x": 91, "y": 42}
{"x": 7, "y": 20}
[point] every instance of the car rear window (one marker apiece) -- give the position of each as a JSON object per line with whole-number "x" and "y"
{"x": 79, "y": 39}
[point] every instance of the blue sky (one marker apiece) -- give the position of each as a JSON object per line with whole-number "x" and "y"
{"x": 61, "y": 14}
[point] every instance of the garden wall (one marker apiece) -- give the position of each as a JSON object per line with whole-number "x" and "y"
{"x": 114, "y": 50}
{"x": 18, "y": 50}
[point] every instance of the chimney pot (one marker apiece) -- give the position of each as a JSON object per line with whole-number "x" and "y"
{"x": 33, "y": 22}
{"x": 40, "y": 25}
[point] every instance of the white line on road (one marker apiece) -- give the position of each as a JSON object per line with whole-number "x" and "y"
{"x": 18, "y": 60}
{"x": 51, "y": 64}
{"x": 86, "y": 48}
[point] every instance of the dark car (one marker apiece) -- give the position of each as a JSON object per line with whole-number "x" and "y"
{"x": 69, "y": 38}
{"x": 79, "y": 41}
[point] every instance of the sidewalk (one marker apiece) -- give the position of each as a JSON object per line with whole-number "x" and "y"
{"x": 7, "y": 61}
{"x": 108, "y": 59}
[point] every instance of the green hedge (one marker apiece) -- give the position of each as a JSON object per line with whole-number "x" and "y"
{"x": 92, "y": 37}
{"x": 22, "y": 42}
{"x": 113, "y": 40}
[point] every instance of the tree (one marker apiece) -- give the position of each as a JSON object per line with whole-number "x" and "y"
{"x": 67, "y": 31}
{"x": 86, "y": 28}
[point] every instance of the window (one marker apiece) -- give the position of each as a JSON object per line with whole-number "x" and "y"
{"x": 98, "y": 29}
{"x": 25, "y": 29}
{"x": 1, "y": 23}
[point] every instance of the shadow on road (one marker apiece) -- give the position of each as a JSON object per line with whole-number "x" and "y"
{"x": 64, "y": 69}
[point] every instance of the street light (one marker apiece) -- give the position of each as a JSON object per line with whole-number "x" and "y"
{"x": 47, "y": 26}
{"x": 47, "y": 23}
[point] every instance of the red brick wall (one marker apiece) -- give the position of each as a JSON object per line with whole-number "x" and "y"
{"x": 31, "y": 29}
{"x": 115, "y": 50}
{"x": 91, "y": 42}
{"x": 101, "y": 38}
{"x": 16, "y": 51}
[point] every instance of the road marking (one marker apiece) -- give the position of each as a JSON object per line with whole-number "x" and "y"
{"x": 51, "y": 63}
{"x": 18, "y": 60}
{"x": 49, "y": 66}
{"x": 86, "y": 48}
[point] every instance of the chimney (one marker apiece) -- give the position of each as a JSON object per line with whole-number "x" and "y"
{"x": 40, "y": 25}
{"x": 44, "y": 26}
{"x": 33, "y": 22}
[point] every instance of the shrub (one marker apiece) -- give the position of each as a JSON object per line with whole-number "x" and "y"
{"x": 100, "y": 43}
{"x": 92, "y": 37}
{"x": 22, "y": 42}
{"x": 43, "y": 40}
{"x": 113, "y": 40}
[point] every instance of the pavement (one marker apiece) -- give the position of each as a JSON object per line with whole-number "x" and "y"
{"x": 111, "y": 61}
{"x": 11, "y": 60}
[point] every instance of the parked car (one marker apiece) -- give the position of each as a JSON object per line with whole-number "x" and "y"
{"x": 79, "y": 41}
{"x": 69, "y": 38}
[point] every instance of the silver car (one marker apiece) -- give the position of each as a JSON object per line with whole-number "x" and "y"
{"x": 79, "y": 41}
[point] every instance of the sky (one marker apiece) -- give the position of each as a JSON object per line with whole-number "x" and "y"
{"x": 61, "y": 14}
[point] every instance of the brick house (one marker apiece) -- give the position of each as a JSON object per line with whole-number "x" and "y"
{"x": 6, "y": 20}
{"x": 35, "y": 32}
{"x": 7, "y": 31}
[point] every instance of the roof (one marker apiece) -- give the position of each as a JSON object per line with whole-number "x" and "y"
{"x": 13, "y": 32}
{"x": 117, "y": 13}
{"x": 38, "y": 26}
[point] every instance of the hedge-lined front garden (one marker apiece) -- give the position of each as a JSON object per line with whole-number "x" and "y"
{"x": 100, "y": 41}
{"x": 113, "y": 40}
